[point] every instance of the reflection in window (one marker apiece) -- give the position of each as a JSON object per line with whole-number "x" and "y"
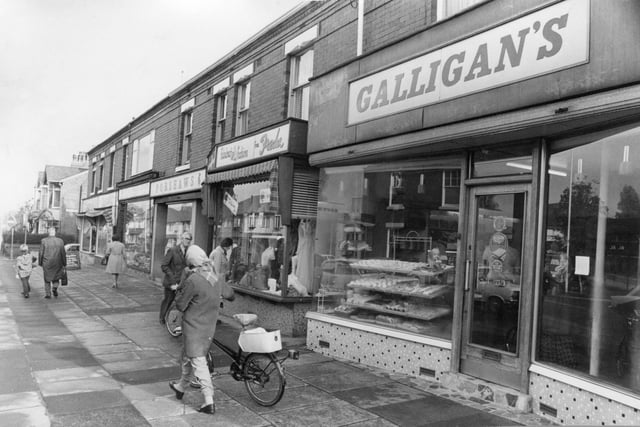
{"x": 179, "y": 220}
{"x": 591, "y": 289}
{"x": 138, "y": 235}
{"x": 251, "y": 217}
{"x": 386, "y": 246}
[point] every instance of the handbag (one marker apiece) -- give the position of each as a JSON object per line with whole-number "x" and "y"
{"x": 64, "y": 281}
{"x": 105, "y": 260}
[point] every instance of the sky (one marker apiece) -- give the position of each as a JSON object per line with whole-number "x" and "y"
{"x": 73, "y": 72}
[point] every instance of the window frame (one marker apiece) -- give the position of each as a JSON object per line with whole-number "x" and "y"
{"x": 222, "y": 100}
{"x": 441, "y": 8}
{"x": 243, "y": 100}
{"x": 296, "y": 88}
{"x": 112, "y": 161}
{"x": 186, "y": 132}
{"x": 136, "y": 158}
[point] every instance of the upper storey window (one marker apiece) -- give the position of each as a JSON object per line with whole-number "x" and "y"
{"x": 447, "y": 8}
{"x": 301, "y": 72}
{"x": 242, "y": 107}
{"x": 142, "y": 153}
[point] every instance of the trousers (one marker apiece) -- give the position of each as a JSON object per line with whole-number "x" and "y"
{"x": 196, "y": 368}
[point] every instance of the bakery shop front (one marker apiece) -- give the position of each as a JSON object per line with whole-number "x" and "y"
{"x": 478, "y": 209}
{"x": 262, "y": 194}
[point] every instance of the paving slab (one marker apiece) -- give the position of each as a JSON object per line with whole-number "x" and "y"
{"x": 148, "y": 375}
{"x": 12, "y": 401}
{"x": 70, "y": 374}
{"x": 78, "y": 386}
{"x": 122, "y": 416}
{"x": 25, "y": 417}
{"x": 139, "y": 365}
{"x": 82, "y": 402}
{"x": 380, "y": 395}
{"x": 162, "y": 407}
{"x": 102, "y": 338}
{"x": 332, "y": 413}
{"x": 229, "y": 413}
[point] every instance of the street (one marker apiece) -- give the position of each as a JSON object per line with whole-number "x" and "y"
{"x": 97, "y": 356}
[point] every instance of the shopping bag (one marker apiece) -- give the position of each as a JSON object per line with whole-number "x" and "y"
{"x": 65, "y": 280}
{"x": 105, "y": 260}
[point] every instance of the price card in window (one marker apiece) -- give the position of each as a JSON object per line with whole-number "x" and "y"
{"x": 265, "y": 195}
{"x": 582, "y": 266}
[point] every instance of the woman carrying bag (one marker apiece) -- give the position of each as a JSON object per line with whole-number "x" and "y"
{"x": 116, "y": 262}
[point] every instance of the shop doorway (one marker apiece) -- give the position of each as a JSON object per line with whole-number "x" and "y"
{"x": 496, "y": 278}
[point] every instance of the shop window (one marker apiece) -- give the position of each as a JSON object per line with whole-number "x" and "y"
{"x": 142, "y": 154}
{"x": 251, "y": 217}
{"x": 138, "y": 235}
{"x": 385, "y": 246}
{"x": 590, "y": 308}
{"x": 180, "y": 219}
{"x": 221, "y": 115}
{"x": 502, "y": 161}
{"x": 242, "y": 107}
{"x": 184, "y": 147}
{"x": 447, "y": 8}
{"x": 301, "y": 72}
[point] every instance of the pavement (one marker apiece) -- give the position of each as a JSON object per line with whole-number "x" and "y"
{"x": 97, "y": 356}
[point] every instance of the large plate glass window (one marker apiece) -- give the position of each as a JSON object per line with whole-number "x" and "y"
{"x": 386, "y": 244}
{"x": 590, "y": 310}
{"x": 180, "y": 219}
{"x": 138, "y": 235}
{"x": 251, "y": 217}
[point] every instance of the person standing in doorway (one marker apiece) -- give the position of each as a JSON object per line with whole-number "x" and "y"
{"x": 53, "y": 260}
{"x": 219, "y": 259}
{"x": 172, "y": 266}
{"x": 116, "y": 264}
{"x": 24, "y": 267}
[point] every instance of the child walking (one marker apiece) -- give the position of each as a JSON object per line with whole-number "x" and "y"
{"x": 24, "y": 265}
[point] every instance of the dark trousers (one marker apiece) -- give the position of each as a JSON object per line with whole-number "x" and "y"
{"x": 169, "y": 296}
{"x": 25, "y": 285}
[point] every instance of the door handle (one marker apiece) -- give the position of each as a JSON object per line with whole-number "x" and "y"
{"x": 467, "y": 270}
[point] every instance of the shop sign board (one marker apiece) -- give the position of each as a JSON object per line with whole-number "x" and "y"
{"x": 178, "y": 184}
{"x": 253, "y": 148}
{"x": 542, "y": 42}
{"x": 231, "y": 203}
{"x": 140, "y": 190}
{"x": 99, "y": 202}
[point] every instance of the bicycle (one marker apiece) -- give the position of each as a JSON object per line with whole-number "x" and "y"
{"x": 173, "y": 320}
{"x": 256, "y": 361}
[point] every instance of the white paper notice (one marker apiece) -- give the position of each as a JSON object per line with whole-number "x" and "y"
{"x": 582, "y": 266}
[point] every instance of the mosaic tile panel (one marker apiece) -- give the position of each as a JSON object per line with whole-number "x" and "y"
{"x": 380, "y": 351}
{"x": 575, "y": 406}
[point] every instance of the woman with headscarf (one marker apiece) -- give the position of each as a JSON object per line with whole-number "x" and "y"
{"x": 198, "y": 297}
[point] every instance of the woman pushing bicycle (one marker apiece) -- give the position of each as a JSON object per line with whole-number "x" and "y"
{"x": 198, "y": 297}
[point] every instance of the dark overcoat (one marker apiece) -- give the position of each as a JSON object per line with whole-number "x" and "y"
{"x": 52, "y": 258}
{"x": 172, "y": 266}
{"x": 199, "y": 300}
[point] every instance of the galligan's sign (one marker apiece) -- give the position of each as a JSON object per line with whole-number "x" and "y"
{"x": 542, "y": 42}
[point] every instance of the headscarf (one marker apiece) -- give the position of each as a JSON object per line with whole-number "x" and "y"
{"x": 198, "y": 260}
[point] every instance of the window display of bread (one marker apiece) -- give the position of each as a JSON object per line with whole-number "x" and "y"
{"x": 389, "y": 265}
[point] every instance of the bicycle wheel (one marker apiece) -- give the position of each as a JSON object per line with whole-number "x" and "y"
{"x": 264, "y": 378}
{"x": 173, "y": 321}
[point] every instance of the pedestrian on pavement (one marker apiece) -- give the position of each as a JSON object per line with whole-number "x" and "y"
{"x": 198, "y": 297}
{"x": 219, "y": 258}
{"x": 24, "y": 266}
{"x": 53, "y": 260}
{"x": 116, "y": 264}
{"x": 172, "y": 266}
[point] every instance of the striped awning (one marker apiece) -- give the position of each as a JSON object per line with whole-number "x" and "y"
{"x": 93, "y": 213}
{"x": 243, "y": 172}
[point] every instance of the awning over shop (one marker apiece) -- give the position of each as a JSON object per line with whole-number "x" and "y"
{"x": 243, "y": 172}
{"x": 94, "y": 213}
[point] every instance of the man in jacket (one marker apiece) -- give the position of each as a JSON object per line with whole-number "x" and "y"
{"x": 172, "y": 266}
{"x": 53, "y": 260}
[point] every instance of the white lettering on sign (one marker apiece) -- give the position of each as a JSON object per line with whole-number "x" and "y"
{"x": 178, "y": 184}
{"x": 549, "y": 40}
{"x": 264, "y": 144}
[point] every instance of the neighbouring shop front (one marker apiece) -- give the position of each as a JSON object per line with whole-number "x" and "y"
{"x": 135, "y": 225}
{"x": 473, "y": 223}
{"x": 95, "y": 224}
{"x": 262, "y": 194}
{"x": 178, "y": 209}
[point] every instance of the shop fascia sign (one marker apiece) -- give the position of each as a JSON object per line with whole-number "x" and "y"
{"x": 178, "y": 184}
{"x": 540, "y": 43}
{"x": 99, "y": 202}
{"x": 253, "y": 148}
{"x": 140, "y": 190}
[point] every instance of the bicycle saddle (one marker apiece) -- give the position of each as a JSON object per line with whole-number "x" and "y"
{"x": 246, "y": 319}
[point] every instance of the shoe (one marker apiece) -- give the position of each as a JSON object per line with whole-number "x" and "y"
{"x": 208, "y": 409}
{"x": 55, "y": 292}
{"x": 47, "y": 296}
{"x": 26, "y": 295}
{"x": 179, "y": 393}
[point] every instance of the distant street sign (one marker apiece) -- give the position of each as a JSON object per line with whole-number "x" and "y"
{"x": 11, "y": 222}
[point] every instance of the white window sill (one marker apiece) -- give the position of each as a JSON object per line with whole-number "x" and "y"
{"x": 183, "y": 167}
